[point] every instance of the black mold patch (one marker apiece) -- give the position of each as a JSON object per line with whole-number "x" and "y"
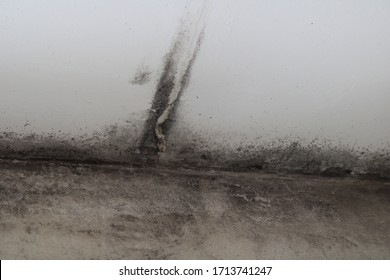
{"x": 183, "y": 85}
{"x": 114, "y": 143}
{"x": 150, "y": 146}
{"x": 148, "y": 142}
{"x": 117, "y": 144}
{"x": 188, "y": 149}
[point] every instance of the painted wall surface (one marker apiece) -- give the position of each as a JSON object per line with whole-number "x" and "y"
{"x": 278, "y": 85}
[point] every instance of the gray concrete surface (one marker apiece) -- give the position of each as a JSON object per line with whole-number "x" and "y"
{"x": 57, "y": 210}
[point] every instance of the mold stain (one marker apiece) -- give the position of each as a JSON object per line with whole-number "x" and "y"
{"x": 111, "y": 144}
{"x": 190, "y": 148}
{"x": 173, "y": 80}
{"x": 142, "y": 76}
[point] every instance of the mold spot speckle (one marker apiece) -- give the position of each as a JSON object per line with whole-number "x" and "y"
{"x": 142, "y": 76}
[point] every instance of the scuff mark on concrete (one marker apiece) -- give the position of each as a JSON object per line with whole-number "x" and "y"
{"x": 174, "y": 79}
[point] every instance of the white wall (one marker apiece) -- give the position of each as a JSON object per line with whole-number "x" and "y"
{"x": 67, "y": 65}
{"x": 295, "y": 68}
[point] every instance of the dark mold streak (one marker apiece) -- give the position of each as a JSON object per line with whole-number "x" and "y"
{"x": 148, "y": 142}
{"x": 153, "y": 140}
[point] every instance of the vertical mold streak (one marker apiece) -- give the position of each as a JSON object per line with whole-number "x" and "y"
{"x": 173, "y": 80}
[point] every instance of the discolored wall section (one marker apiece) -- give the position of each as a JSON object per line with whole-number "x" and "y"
{"x": 262, "y": 85}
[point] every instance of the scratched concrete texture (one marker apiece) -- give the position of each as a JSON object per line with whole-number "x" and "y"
{"x": 73, "y": 211}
